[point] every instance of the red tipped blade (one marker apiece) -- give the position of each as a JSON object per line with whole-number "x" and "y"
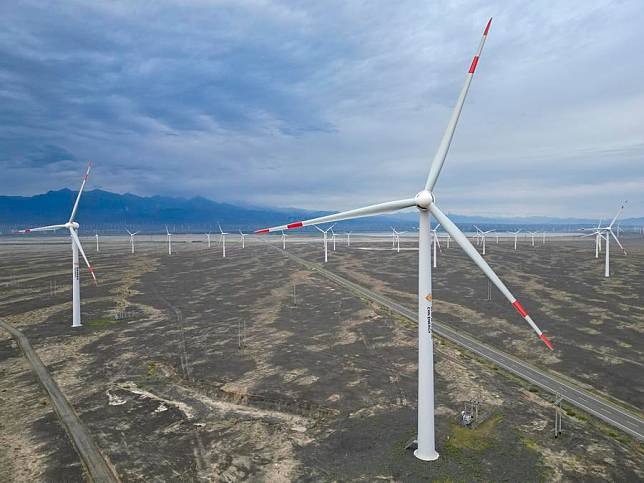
{"x": 546, "y": 341}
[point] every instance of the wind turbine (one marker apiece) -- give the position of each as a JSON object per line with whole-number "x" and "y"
{"x": 396, "y": 240}
{"x": 132, "y": 239}
{"x": 532, "y": 234}
{"x": 425, "y": 203}
{"x": 516, "y": 235}
{"x": 324, "y": 232}
{"x": 223, "y": 241}
{"x": 435, "y": 242}
{"x": 208, "y": 238}
{"x": 97, "y": 247}
{"x": 169, "y": 235}
{"x": 283, "y": 240}
{"x": 605, "y": 232}
{"x": 72, "y": 226}
{"x": 482, "y": 234}
{"x": 243, "y": 238}
{"x": 332, "y": 237}
{"x": 348, "y": 238}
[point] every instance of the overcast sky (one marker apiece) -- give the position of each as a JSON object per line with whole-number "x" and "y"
{"x": 325, "y": 104}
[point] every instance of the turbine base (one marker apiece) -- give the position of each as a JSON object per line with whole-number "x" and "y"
{"x": 426, "y": 457}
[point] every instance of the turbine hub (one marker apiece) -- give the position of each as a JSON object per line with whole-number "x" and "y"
{"x": 424, "y": 199}
{"x": 75, "y": 225}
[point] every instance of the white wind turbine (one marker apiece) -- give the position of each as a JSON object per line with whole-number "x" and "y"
{"x": 132, "y": 239}
{"x": 425, "y": 203}
{"x": 482, "y": 235}
{"x": 208, "y": 239}
{"x": 72, "y": 226}
{"x": 243, "y": 238}
{"x": 97, "y": 247}
{"x": 435, "y": 242}
{"x": 605, "y": 233}
{"x": 283, "y": 240}
{"x": 516, "y": 235}
{"x": 332, "y": 237}
{"x": 598, "y": 237}
{"x": 348, "y": 238}
{"x": 324, "y": 232}
{"x": 169, "y": 236}
{"x": 396, "y": 239}
{"x": 532, "y": 234}
{"x": 223, "y": 241}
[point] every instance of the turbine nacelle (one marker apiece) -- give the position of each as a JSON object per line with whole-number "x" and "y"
{"x": 424, "y": 199}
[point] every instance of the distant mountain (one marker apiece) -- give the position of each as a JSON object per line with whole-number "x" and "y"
{"x": 103, "y": 209}
{"x": 106, "y": 211}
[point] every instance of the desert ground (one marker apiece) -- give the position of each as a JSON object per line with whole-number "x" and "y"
{"x": 194, "y": 367}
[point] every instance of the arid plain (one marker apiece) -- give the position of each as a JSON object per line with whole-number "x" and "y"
{"x": 324, "y": 383}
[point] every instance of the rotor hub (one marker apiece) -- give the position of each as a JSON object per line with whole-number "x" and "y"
{"x": 424, "y": 199}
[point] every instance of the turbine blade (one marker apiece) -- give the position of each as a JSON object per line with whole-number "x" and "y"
{"x": 621, "y": 208}
{"x": 80, "y": 192}
{"x": 465, "y": 244}
{"x": 617, "y": 240}
{"x": 370, "y": 210}
{"x": 443, "y": 147}
{"x": 42, "y": 228}
{"x": 72, "y": 232}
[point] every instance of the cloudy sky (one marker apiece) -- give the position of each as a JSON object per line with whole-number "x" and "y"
{"x": 325, "y": 104}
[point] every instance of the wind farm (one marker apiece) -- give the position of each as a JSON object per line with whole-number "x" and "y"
{"x": 347, "y": 310}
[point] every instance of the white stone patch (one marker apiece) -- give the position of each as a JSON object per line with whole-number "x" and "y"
{"x": 114, "y": 400}
{"x": 162, "y": 407}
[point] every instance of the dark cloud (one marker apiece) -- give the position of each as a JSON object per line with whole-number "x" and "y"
{"x": 325, "y": 104}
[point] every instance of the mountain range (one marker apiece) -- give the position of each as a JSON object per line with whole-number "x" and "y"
{"x": 107, "y": 211}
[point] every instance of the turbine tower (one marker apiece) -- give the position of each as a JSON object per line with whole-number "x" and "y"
{"x": 516, "y": 235}
{"x": 223, "y": 241}
{"x": 169, "y": 235}
{"x": 348, "y": 238}
{"x": 72, "y": 226}
{"x": 324, "y": 232}
{"x": 425, "y": 203}
{"x": 208, "y": 238}
{"x": 243, "y": 238}
{"x": 283, "y": 240}
{"x": 132, "y": 239}
{"x": 435, "y": 242}
{"x": 97, "y": 247}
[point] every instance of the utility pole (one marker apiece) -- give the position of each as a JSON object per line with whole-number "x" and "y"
{"x": 558, "y": 414}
